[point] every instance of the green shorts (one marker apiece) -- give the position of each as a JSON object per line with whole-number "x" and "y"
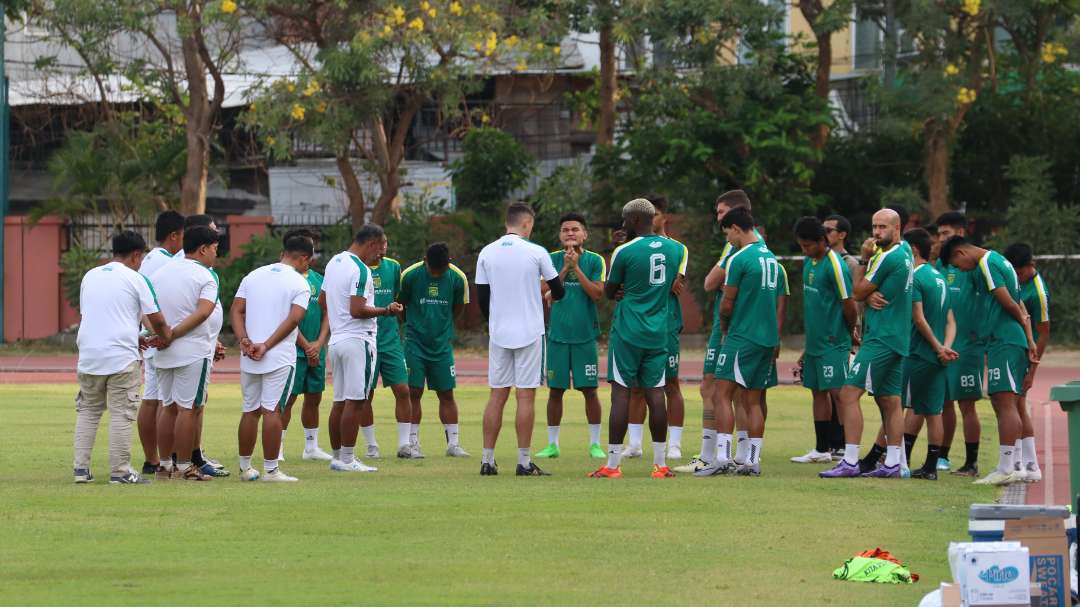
{"x": 566, "y": 362}
{"x": 878, "y": 370}
{"x": 745, "y": 363}
{"x": 390, "y": 364}
{"x": 926, "y": 394}
{"x": 437, "y": 371}
{"x": 773, "y": 379}
{"x": 310, "y": 380}
{"x": 711, "y": 351}
{"x": 635, "y": 367}
{"x": 1006, "y": 366}
{"x": 964, "y": 376}
{"x": 673, "y": 351}
{"x": 825, "y": 372}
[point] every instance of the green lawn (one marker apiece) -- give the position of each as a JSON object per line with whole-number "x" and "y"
{"x": 434, "y": 532}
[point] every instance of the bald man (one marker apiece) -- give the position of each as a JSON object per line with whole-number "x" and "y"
{"x": 878, "y": 366}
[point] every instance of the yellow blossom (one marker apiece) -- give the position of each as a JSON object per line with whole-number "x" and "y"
{"x": 387, "y": 30}
{"x": 432, "y": 12}
{"x": 396, "y": 16}
{"x": 417, "y": 24}
{"x": 321, "y": 108}
{"x": 228, "y": 7}
{"x": 252, "y": 106}
{"x": 270, "y": 140}
{"x": 424, "y": 5}
{"x": 455, "y": 8}
{"x": 965, "y": 96}
{"x": 511, "y": 41}
{"x": 971, "y": 7}
{"x": 1048, "y": 56}
{"x": 297, "y": 111}
{"x": 290, "y": 87}
{"x": 312, "y": 88}
{"x": 491, "y": 43}
{"x": 520, "y": 67}
{"x": 539, "y": 46}
{"x": 557, "y": 50}
{"x": 951, "y": 70}
{"x": 485, "y": 118}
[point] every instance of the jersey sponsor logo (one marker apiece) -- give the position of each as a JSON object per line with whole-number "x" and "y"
{"x": 810, "y": 280}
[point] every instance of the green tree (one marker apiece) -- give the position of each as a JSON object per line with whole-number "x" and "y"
{"x": 494, "y": 165}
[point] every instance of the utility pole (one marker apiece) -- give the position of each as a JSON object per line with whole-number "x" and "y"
{"x": 5, "y": 123}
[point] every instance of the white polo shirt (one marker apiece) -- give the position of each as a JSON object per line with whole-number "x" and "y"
{"x": 152, "y": 262}
{"x": 113, "y": 298}
{"x": 269, "y": 294}
{"x": 513, "y": 267}
{"x": 179, "y": 287}
{"x": 345, "y": 277}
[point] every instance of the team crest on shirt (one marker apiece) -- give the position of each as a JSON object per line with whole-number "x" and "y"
{"x": 949, "y": 276}
{"x": 433, "y": 290}
{"x": 377, "y": 281}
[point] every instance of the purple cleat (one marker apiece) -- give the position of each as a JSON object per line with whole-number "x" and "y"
{"x": 884, "y": 472}
{"x": 841, "y": 470}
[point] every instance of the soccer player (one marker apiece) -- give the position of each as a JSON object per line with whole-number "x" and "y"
{"x": 965, "y": 376}
{"x": 188, "y": 295}
{"x": 1036, "y": 299}
{"x": 830, "y": 322}
{"x": 269, "y": 305}
{"x": 348, "y": 293}
{"x": 878, "y": 367}
{"x": 837, "y": 228}
{"x": 390, "y": 358}
{"x": 749, "y": 324}
{"x": 434, "y": 293}
{"x": 506, "y": 284}
{"x": 644, "y": 271}
{"x": 169, "y": 233}
{"x": 113, "y": 299}
{"x": 1010, "y": 345}
{"x": 573, "y": 331}
{"x": 933, "y": 330}
{"x": 310, "y": 378}
{"x": 672, "y": 389}
{"x": 714, "y": 282}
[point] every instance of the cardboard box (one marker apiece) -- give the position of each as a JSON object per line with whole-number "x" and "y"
{"x": 991, "y": 573}
{"x": 1048, "y": 550}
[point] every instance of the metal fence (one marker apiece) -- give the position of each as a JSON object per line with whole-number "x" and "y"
{"x": 95, "y": 232}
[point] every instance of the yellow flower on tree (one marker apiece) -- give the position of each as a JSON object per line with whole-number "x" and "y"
{"x": 397, "y": 16}
{"x": 491, "y": 43}
{"x": 387, "y": 30}
{"x": 455, "y": 9}
{"x": 417, "y": 24}
{"x": 520, "y": 67}
{"x": 297, "y": 112}
{"x": 951, "y": 70}
{"x": 228, "y": 7}
{"x": 971, "y": 7}
{"x": 270, "y": 140}
{"x": 965, "y": 96}
{"x": 312, "y": 88}
{"x": 432, "y": 12}
{"x": 321, "y": 108}
{"x": 290, "y": 87}
{"x": 424, "y": 5}
{"x": 511, "y": 41}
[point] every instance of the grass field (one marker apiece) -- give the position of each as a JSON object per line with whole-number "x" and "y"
{"x": 434, "y": 532}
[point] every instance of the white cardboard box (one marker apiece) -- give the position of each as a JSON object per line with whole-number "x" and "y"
{"x": 991, "y": 573}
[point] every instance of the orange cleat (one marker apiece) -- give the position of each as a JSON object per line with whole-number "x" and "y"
{"x": 605, "y": 472}
{"x": 662, "y": 472}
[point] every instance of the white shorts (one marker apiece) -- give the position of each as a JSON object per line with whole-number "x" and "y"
{"x": 184, "y": 386}
{"x": 353, "y": 364}
{"x": 518, "y": 367}
{"x": 267, "y": 390}
{"x": 150, "y": 380}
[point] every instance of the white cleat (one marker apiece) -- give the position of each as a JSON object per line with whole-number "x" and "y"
{"x": 997, "y": 478}
{"x": 417, "y": 453}
{"x": 813, "y": 457}
{"x": 1032, "y": 474}
{"x": 373, "y": 452}
{"x": 692, "y": 466}
{"x": 353, "y": 466}
{"x": 408, "y": 452}
{"x": 674, "y": 452}
{"x": 249, "y": 474}
{"x": 277, "y": 476}
{"x": 456, "y": 451}
{"x": 632, "y": 451}
{"x": 317, "y": 454}
{"x": 718, "y": 467}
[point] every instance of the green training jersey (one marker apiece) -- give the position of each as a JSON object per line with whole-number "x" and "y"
{"x": 965, "y": 303}
{"x": 728, "y": 250}
{"x": 429, "y": 306}
{"x": 890, "y": 270}
{"x": 928, "y": 288}
{"x": 675, "y": 320}
{"x": 312, "y": 322}
{"x": 755, "y": 271}
{"x": 646, "y": 267}
{"x": 826, "y": 284}
{"x": 998, "y": 326}
{"x": 1036, "y": 298}
{"x": 386, "y": 278}
{"x": 573, "y": 318}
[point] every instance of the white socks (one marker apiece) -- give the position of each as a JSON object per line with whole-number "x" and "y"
{"x": 245, "y": 462}
{"x": 348, "y": 454}
{"x": 675, "y": 436}
{"x": 1027, "y": 453}
{"x": 403, "y": 430}
{"x": 487, "y": 456}
{"x": 755, "y": 451}
{"x": 553, "y": 435}
{"x": 659, "y": 454}
{"x": 369, "y": 435}
{"x": 742, "y": 445}
{"x": 281, "y": 447}
{"x": 594, "y": 434}
{"x": 311, "y": 439}
{"x": 451, "y": 434}
{"x": 414, "y": 434}
{"x": 893, "y": 455}
{"x": 636, "y": 432}
{"x": 269, "y": 466}
{"x": 1005, "y": 459}
{"x": 723, "y": 447}
{"x": 851, "y": 454}
{"x": 336, "y": 453}
{"x": 708, "y": 445}
{"x": 614, "y": 455}
{"x": 523, "y": 457}
{"x": 903, "y": 457}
